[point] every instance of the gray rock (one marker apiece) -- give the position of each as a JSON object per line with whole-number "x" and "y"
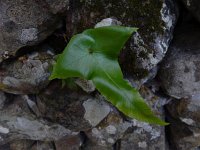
{"x": 108, "y": 22}
{"x": 95, "y": 111}
{"x": 155, "y": 20}
{"x": 143, "y": 136}
{"x": 186, "y": 110}
{"x": 27, "y": 22}
{"x": 32, "y": 105}
{"x": 69, "y": 143}
{"x": 64, "y": 106}
{"x": 184, "y": 122}
{"x": 182, "y": 136}
{"x": 179, "y": 72}
{"x": 17, "y": 122}
{"x": 131, "y": 134}
{"x": 28, "y": 74}
{"x": 108, "y": 131}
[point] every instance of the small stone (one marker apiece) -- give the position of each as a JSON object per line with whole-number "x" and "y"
{"x": 28, "y": 74}
{"x": 87, "y": 85}
{"x": 108, "y": 22}
{"x": 4, "y": 130}
{"x": 142, "y": 144}
{"x": 111, "y": 141}
{"x": 95, "y": 111}
{"x": 32, "y": 106}
{"x": 111, "y": 129}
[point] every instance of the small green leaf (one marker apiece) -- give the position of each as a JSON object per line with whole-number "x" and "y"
{"x": 93, "y": 55}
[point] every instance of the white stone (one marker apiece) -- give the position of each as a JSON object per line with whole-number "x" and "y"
{"x": 107, "y": 22}
{"x": 187, "y": 121}
{"x": 110, "y": 140}
{"x": 142, "y": 144}
{"x": 4, "y": 130}
{"x": 95, "y": 111}
{"x": 111, "y": 129}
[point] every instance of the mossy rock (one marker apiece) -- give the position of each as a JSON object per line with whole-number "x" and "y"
{"x": 155, "y": 20}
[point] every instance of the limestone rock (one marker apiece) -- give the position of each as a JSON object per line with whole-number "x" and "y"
{"x": 17, "y": 122}
{"x": 26, "y": 23}
{"x": 179, "y": 72}
{"x": 155, "y": 20}
{"x": 95, "y": 111}
{"x": 27, "y": 74}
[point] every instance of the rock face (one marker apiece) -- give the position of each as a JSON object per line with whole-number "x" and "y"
{"x": 155, "y": 20}
{"x": 179, "y": 72}
{"x": 17, "y": 122}
{"x": 27, "y": 74}
{"x": 184, "y": 119}
{"x": 25, "y": 23}
{"x": 128, "y": 134}
{"x": 38, "y": 114}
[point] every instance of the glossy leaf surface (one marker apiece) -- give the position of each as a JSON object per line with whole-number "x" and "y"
{"x": 93, "y": 55}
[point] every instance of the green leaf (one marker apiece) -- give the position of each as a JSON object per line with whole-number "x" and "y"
{"x": 93, "y": 55}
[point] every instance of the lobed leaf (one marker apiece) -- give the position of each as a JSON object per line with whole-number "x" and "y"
{"x": 93, "y": 55}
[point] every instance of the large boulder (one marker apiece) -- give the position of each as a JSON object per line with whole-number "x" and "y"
{"x": 25, "y": 23}
{"x": 155, "y": 20}
{"x": 179, "y": 73}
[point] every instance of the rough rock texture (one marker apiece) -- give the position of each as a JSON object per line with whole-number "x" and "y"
{"x": 64, "y": 106}
{"x": 30, "y": 145}
{"x": 17, "y": 122}
{"x": 179, "y": 72}
{"x": 155, "y": 20}
{"x": 142, "y": 136}
{"x": 128, "y": 134}
{"x": 27, "y": 74}
{"x": 184, "y": 123}
{"x": 25, "y": 23}
{"x": 74, "y": 142}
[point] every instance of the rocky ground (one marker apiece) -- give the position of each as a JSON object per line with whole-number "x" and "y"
{"x": 161, "y": 60}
